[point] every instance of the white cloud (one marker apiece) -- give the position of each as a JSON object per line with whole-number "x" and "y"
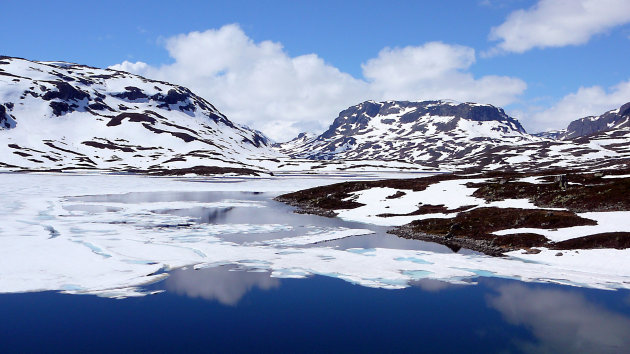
{"x": 436, "y": 70}
{"x": 558, "y": 23}
{"x": 260, "y": 85}
{"x": 256, "y": 84}
{"x": 586, "y": 101}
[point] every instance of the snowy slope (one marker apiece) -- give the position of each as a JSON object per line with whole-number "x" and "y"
{"x": 455, "y": 136}
{"x": 56, "y": 115}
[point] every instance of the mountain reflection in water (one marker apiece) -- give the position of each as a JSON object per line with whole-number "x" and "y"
{"x": 201, "y": 214}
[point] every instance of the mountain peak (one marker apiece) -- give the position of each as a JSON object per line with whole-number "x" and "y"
{"x": 395, "y": 129}
{"x": 359, "y": 117}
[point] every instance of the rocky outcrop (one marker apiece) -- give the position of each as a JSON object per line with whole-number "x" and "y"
{"x": 6, "y": 120}
{"x": 611, "y": 120}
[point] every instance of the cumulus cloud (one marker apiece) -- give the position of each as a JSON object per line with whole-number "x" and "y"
{"x": 586, "y": 101}
{"x": 256, "y": 84}
{"x": 260, "y": 85}
{"x": 558, "y": 23}
{"x": 436, "y": 70}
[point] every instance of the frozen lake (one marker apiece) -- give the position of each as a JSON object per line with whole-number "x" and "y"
{"x": 218, "y": 258}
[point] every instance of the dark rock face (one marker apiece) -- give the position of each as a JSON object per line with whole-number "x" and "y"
{"x": 133, "y": 117}
{"x": 59, "y": 108}
{"x": 6, "y": 120}
{"x": 131, "y": 94}
{"x": 65, "y": 92}
{"x": 99, "y": 106}
{"x": 173, "y": 97}
{"x": 595, "y": 124}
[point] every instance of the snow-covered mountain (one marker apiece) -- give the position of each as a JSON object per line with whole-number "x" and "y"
{"x": 456, "y": 136}
{"x": 57, "y": 115}
{"x": 60, "y": 116}
{"x": 422, "y": 132}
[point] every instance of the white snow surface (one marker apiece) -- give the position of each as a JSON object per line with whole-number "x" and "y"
{"x": 45, "y": 246}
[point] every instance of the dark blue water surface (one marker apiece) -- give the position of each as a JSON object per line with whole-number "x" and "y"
{"x": 230, "y": 310}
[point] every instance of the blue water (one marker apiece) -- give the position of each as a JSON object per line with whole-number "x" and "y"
{"x": 228, "y": 310}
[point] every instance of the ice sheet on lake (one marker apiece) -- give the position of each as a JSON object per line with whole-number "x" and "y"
{"x": 315, "y": 237}
{"x": 44, "y": 246}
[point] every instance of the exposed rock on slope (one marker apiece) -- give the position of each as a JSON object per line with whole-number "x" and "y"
{"x": 423, "y": 132}
{"x": 56, "y": 115}
{"x": 457, "y": 136}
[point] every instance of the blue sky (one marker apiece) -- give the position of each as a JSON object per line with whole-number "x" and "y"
{"x": 550, "y": 61}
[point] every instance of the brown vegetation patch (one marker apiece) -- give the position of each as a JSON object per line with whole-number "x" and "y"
{"x": 579, "y": 193}
{"x": 474, "y": 229}
{"x": 481, "y": 222}
{"x": 202, "y": 171}
{"x": 618, "y": 240}
{"x": 517, "y": 241}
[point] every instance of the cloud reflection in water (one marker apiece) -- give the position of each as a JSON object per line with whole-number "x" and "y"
{"x": 562, "y": 321}
{"x": 222, "y": 284}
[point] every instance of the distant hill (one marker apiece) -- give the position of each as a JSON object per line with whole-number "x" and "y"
{"x": 57, "y": 115}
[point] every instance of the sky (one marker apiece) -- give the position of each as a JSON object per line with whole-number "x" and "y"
{"x": 284, "y": 67}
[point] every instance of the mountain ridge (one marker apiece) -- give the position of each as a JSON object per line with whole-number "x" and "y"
{"x": 420, "y": 124}
{"x": 60, "y": 116}
{"x": 453, "y": 135}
